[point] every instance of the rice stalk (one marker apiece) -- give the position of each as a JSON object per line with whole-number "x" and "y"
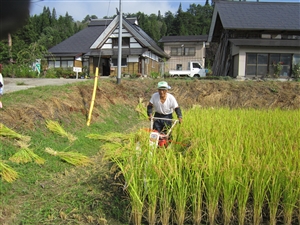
{"x": 58, "y": 129}
{"x": 122, "y": 150}
{"x": 7, "y": 132}
{"x": 141, "y": 109}
{"x": 165, "y": 200}
{"x": 244, "y": 184}
{"x": 261, "y": 179}
{"x": 229, "y": 191}
{"x": 152, "y": 184}
{"x": 195, "y": 181}
{"x": 110, "y": 137}
{"x": 291, "y": 191}
{"x": 180, "y": 187}
{"x": 22, "y": 144}
{"x": 74, "y": 158}
{"x": 212, "y": 182}
{"x": 7, "y": 173}
{"x": 165, "y": 194}
{"x": 132, "y": 170}
{"x": 26, "y": 155}
{"x": 275, "y": 190}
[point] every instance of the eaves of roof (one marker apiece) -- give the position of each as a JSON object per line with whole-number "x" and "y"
{"x": 187, "y": 38}
{"x": 114, "y": 52}
{"x": 144, "y": 38}
{"x": 266, "y": 42}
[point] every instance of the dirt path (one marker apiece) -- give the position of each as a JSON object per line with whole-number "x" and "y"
{"x": 17, "y": 84}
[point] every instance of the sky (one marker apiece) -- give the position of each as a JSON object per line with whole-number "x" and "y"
{"x": 79, "y": 9}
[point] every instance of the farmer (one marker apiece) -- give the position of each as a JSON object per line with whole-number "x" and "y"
{"x": 164, "y": 104}
{"x": 1, "y": 85}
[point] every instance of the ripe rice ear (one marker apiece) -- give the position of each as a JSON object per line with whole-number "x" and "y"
{"x": 141, "y": 109}
{"x": 74, "y": 158}
{"x": 57, "y": 128}
{"x": 7, "y": 173}
{"x": 7, "y": 132}
{"x": 26, "y": 155}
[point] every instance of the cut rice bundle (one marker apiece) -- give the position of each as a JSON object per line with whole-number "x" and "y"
{"x": 57, "y": 128}
{"x": 26, "y": 155}
{"x": 7, "y": 132}
{"x": 7, "y": 173}
{"x": 110, "y": 137}
{"x": 74, "y": 158}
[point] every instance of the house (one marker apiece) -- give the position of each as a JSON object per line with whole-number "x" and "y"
{"x": 254, "y": 38}
{"x": 97, "y": 46}
{"x": 183, "y": 49}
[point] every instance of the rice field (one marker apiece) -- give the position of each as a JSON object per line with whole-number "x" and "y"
{"x": 223, "y": 166}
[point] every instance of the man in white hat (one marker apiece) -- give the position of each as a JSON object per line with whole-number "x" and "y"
{"x": 164, "y": 104}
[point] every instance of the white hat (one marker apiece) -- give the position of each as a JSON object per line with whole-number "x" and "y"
{"x": 163, "y": 85}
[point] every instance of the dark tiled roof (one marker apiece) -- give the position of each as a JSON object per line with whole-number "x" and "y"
{"x": 79, "y": 42}
{"x": 83, "y": 40}
{"x": 188, "y": 38}
{"x": 259, "y": 15}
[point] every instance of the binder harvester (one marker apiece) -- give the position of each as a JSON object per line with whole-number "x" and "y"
{"x": 160, "y": 139}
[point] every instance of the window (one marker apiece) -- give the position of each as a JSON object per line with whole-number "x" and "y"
{"x": 189, "y": 51}
{"x": 125, "y": 42}
{"x": 176, "y": 51}
{"x": 115, "y": 62}
{"x": 178, "y": 66}
{"x": 257, "y": 64}
{"x": 57, "y": 64}
{"x": 181, "y": 51}
{"x": 296, "y": 59}
{"x": 63, "y": 62}
{"x": 196, "y": 65}
{"x": 263, "y": 63}
{"x": 284, "y": 60}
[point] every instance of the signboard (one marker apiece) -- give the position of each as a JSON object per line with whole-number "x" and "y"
{"x": 77, "y": 70}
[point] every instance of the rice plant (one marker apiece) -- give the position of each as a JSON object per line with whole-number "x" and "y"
{"x": 223, "y": 166}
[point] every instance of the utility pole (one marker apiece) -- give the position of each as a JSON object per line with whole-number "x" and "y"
{"x": 120, "y": 44}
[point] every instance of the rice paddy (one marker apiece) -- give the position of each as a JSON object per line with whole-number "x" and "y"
{"x": 223, "y": 166}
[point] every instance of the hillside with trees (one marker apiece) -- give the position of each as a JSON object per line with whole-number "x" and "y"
{"x": 46, "y": 30}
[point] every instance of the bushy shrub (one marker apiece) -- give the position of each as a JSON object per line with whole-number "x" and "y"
{"x": 296, "y": 71}
{"x": 154, "y": 74}
{"x": 18, "y": 71}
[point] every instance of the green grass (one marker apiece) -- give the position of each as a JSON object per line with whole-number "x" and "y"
{"x": 57, "y": 192}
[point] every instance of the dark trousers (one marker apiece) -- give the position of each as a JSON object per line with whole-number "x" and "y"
{"x": 162, "y": 125}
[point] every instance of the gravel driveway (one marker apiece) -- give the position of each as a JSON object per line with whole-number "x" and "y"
{"x": 17, "y": 84}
